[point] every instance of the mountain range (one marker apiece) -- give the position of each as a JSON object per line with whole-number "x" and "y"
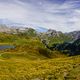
{"x": 42, "y": 31}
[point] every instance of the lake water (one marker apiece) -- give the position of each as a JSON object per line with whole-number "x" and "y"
{"x": 2, "y": 47}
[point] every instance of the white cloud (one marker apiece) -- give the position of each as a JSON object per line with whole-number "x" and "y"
{"x": 63, "y": 17}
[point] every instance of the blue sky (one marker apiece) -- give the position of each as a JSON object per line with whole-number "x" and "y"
{"x": 61, "y": 15}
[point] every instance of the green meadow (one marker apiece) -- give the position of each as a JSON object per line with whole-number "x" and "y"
{"x": 31, "y": 60}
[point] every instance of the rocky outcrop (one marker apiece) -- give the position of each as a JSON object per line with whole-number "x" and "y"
{"x": 7, "y": 29}
{"x": 75, "y": 34}
{"x": 15, "y": 29}
{"x": 53, "y": 33}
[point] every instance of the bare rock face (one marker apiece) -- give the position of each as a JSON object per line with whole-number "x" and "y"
{"x": 14, "y": 29}
{"x": 7, "y": 29}
{"x": 53, "y": 33}
{"x": 4, "y": 28}
{"x": 75, "y": 34}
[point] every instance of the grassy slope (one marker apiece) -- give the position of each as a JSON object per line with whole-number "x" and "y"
{"x": 26, "y": 62}
{"x": 51, "y": 69}
{"x": 24, "y": 46}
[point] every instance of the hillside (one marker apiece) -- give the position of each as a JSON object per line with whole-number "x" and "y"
{"x": 74, "y": 34}
{"x": 39, "y": 39}
{"x": 70, "y": 48}
{"x": 30, "y": 59}
{"x": 53, "y": 37}
{"x": 50, "y": 69}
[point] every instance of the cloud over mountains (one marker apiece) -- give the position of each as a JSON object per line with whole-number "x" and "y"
{"x": 63, "y": 15}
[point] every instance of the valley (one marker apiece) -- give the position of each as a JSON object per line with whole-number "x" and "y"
{"x": 39, "y": 39}
{"x": 30, "y": 56}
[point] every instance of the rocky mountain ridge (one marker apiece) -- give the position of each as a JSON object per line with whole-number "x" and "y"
{"x": 48, "y": 33}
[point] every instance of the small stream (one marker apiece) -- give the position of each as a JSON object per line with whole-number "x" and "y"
{"x": 2, "y": 47}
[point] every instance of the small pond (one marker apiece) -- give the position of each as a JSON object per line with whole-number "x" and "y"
{"x": 2, "y": 47}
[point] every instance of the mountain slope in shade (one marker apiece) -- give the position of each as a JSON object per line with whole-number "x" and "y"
{"x": 70, "y": 48}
